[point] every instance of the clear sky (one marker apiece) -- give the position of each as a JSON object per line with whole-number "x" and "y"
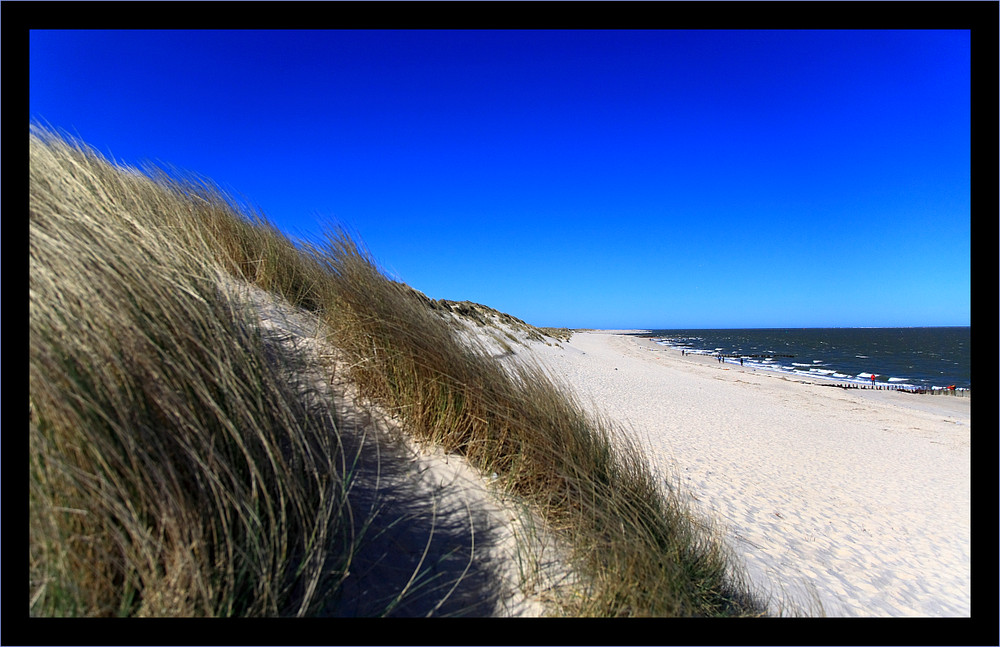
{"x": 603, "y": 179}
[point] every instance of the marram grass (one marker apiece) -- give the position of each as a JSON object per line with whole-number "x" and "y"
{"x": 178, "y": 467}
{"x": 175, "y": 469}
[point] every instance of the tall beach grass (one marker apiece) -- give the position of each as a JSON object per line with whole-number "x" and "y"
{"x": 178, "y": 466}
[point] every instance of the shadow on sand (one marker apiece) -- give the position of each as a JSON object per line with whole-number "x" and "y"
{"x": 425, "y": 541}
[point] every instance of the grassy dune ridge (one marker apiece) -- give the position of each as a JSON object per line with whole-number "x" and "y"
{"x": 179, "y": 467}
{"x": 175, "y": 469}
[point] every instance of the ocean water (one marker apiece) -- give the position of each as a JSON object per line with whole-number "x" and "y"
{"x": 905, "y": 357}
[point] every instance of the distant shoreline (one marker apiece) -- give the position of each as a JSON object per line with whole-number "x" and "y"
{"x": 917, "y": 360}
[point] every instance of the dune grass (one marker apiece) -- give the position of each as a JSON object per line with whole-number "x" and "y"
{"x": 177, "y": 469}
{"x": 640, "y": 551}
{"x": 176, "y": 466}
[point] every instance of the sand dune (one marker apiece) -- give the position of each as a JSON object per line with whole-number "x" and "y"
{"x": 435, "y": 538}
{"x": 841, "y": 502}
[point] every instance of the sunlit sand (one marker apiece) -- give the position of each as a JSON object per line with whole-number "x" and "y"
{"x": 859, "y": 500}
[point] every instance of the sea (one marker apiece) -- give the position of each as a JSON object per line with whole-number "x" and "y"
{"x": 918, "y": 358}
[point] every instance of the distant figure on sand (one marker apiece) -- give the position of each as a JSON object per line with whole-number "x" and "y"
{"x": 873, "y": 379}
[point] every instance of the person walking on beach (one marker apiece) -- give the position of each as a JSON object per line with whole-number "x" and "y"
{"x": 873, "y": 379}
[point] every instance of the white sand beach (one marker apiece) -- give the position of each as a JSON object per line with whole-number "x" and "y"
{"x": 857, "y": 499}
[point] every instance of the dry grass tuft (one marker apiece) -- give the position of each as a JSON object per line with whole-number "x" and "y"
{"x": 175, "y": 468}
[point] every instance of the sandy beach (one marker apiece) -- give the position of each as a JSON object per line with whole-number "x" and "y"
{"x": 858, "y": 500}
{"x": 835, "y": 502}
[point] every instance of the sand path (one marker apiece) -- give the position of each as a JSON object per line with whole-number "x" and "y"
{"x": 438, "y": 539}
{"x": 857, "y": 499}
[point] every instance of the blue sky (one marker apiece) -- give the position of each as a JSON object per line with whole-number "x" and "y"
{"x": 604, "y": 179}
